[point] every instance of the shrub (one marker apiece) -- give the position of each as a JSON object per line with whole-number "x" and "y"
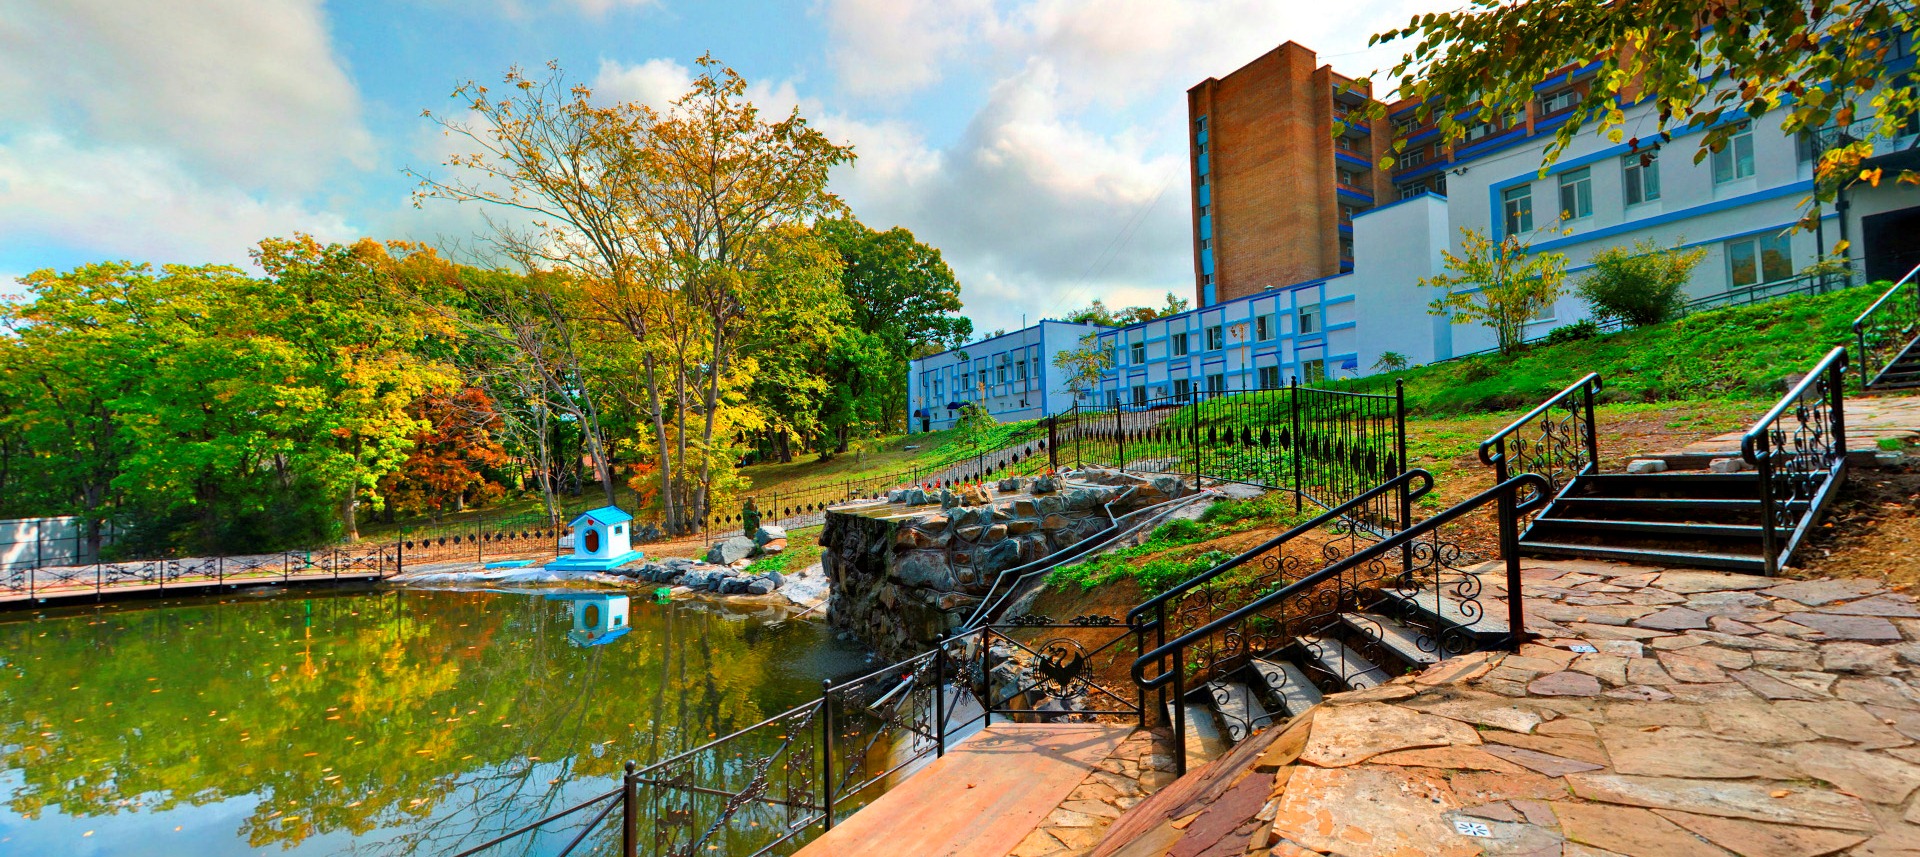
{"x": 1390, "y": 361}
{"x": 1639, "y": 286}
{"x": 1582, "y": 329}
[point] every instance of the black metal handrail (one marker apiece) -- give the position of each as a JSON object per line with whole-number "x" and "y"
{"x": 1157, "y": 603}
{"x": 1557, "y": 450}
{"x": 1799, "y": 449}
{"x": 1897, "y": 324}
{"x": 1515, "y": 497}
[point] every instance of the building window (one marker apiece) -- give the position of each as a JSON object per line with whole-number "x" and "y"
{"x": 1201, "y": 181}
{"x": 1553, "y": 103}
{"x": 1269, "y": 377}
{"x": 1409, "y": 191}
{"x": 1000, "y": 374}
{"x": 1020, "y": 371}
{"x": 1139, "y": 395}
{"x": 1642, "y": 176}
{"x": 1309, "y": 317}
{"x": 1179, "y": 345}
{"x": 1215, "y": 339}
{"x": 1182, "y": 387}
{"x": 1734, "y": 161}
{"x": 1518, "y": 202}
{"x": 1806, "y": 149}
{"x": 1347, "y": 212}
{"x": 1216, "y": 383}
{"x": 1440, "y": 184}
{"x": 1113, "y": 398}
{"x": 1405, "y": 125}
{"x": 1205, "y": 210}
{"x": 1413, "y": 157}
{"x": 939, "y": 389}
{"x": 1576, "y": 193}
{"x": 1263, "y": 328}
{"x": 1035, "y": 372}
{"x": 1200, "y": 125}
{"x": 1206, "y": 243}
{"x": 1759, "y": 260}
{"x": 1137, "y": 353}
{"x": 1351, "y": 178}
{"x": 1313, "y": 371}
{"x": 1346, "y": 246}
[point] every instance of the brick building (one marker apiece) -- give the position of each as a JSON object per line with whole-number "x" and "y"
{"x": 1266, "y": 163}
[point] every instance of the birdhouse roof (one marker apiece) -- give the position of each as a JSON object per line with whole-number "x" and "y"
{"x": 604, "y": 516}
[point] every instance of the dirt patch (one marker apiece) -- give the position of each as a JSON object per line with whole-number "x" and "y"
{"x": 1872, "y": 531}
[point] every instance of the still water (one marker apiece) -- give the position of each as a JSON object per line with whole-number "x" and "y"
{"x": 390, "y": 722}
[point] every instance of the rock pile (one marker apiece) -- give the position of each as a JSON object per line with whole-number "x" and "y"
{"x": 766, "y": 539}
{"x": 900, "y": 580}
{"x": 704, "y": 577}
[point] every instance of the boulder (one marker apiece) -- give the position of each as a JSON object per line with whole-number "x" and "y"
{"x": 759, "y": 586}
{"x": 1646, "y": 465}
{"x": 976, "y": 495}
{"x": 993, "y": 534}
{"x": 775, "y": 546}
{"x": 769, "y": 532}
{"x": 924, "y": 571}
{"x": 777, "y": 579}
{"x": 970, "y": 533}
{"x": 1046, "y": 485}
{"x": 1012, "y": 483}
{"x": 1054, "y": 522}
{"x": 730, "y": 551}
{"x": 1727, "y": 465}
{"x": 1001, "y": 556}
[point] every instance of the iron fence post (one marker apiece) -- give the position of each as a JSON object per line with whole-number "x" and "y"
{"x": 1053, "y": 442}
{"x": 1193, "y": 410}
{"x": 1593, "y": 433}
{"x": 1293, "y": 404}
{"x": 1119, "y": 439}
{"x": 1400, "y": 452}
{"x": 1179, "y": 714}
{"x": 940, "y": 696}
{"x": 826, "y": 748}
{"x": 1767, "y": 536}
{"x": 1837, "y": 381}
{"x": 1510, "y": 552}
{"x": 630, "y": 812}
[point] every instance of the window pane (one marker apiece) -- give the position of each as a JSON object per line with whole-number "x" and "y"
{"x": 1776, "y": 258}
{"x": 1650, "y": 176}
{"x": 1519, "y": 209}
{"x": 1741, "y": 263}
{"x": 1723, "y": 166}
{"x": 1743, "y": 155}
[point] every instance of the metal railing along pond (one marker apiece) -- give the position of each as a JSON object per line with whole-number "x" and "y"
{"x": 156, "y": 575}
{"x": 767, "y": 788}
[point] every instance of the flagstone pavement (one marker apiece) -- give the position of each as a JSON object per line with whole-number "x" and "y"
{"x": 1664, "y": 713}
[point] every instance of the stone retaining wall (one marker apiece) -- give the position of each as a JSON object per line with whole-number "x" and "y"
{"x": 904, "y": 572}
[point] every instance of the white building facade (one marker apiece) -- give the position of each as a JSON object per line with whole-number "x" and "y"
{"x": 1012, "y": 375}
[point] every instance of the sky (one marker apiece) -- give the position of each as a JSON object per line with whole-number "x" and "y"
{"x": 1039, "y": 145}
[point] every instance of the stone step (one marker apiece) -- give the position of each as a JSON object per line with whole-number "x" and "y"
{"x": 1692, "y": 559}
{"x": 1238, "y": 710}
{"x": 1405, "y": 643}
{"x": 1485, "y": 617}
{"x": 1287, "y": 684}
{"x": 1341, "y": 661}
{"x": 1203, "y": 739}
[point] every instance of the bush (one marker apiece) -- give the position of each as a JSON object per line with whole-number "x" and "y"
{"x": 1639, "y": 286}
{"x": 1582, "y": 329}
{"x": 1390, "y": 361}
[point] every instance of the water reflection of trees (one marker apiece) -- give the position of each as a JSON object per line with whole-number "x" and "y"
{"x": 416, "y": 721}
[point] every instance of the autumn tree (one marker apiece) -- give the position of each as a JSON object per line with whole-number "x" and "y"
{"x": 1082, "y": 366}
{"x": 1815, "y": 65}
{"x": 673, "y": 223}
{"x": 453, "y": 456}
{"x": 1500, "y": 284}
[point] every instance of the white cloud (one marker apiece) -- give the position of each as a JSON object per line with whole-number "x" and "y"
{"x": 137, "y": 204}
{"x": 655, "y": 83}
{"x": 893, "y": 47}
{"x": 248, "y": 91}
{"x": 1069, "y": 181}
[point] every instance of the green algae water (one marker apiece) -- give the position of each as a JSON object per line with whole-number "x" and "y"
{"x": 385, "y": 722}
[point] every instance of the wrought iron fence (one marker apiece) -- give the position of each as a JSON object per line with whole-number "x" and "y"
{"x": 1556, "y": 439}
{"x": 1312, "y": 545}
{"x": 808, "y": 505}
{"x": 1799, "y": 449}
{"x": 1419, "y": 576}
{"x": 1325, "y": 445}
{"x": 25, "y": 583}
{"x": 770, "y": 786}
{"x": 1885, "y": 331}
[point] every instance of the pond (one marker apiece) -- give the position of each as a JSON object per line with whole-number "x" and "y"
{"x": 380, "y": 722}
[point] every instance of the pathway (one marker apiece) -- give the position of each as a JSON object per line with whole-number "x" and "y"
{"x": 1667, "y": 713}
{"x": 979, "y": 800}
{"x": 1869, "y": 420}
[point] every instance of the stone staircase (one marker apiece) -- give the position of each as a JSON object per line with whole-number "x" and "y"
{"x": 1358, "y": 649}
{"x": 1703, "y": 520}
{"x": 1902, "y": 373}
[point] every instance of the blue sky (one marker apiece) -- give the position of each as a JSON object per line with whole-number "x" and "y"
{"x": 1039, "y": 145}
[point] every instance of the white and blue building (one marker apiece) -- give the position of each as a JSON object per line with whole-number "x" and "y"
{"x": 1739, "y": 205}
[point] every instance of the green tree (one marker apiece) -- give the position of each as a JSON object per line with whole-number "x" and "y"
{"x": 903, "y": 299}
{"x": 1816, "y": 64}
{"x": 1098, "y": 313}
{"x": 1082, "y": 367}
{"x": 1641, "y": 285}
{"x": 1498, "y": 284}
